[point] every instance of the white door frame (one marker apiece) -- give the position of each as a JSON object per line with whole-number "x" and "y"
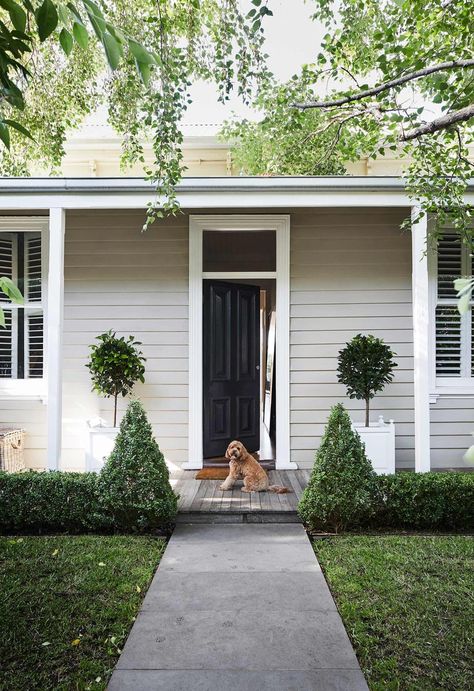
{"x": 252, "y": 222}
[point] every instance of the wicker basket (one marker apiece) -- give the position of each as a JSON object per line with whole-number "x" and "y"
{"x": 12, "y": 442}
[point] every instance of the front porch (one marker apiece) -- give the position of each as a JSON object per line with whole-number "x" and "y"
{"x": 202, "y": 501}
{"x": 347, "y": 269}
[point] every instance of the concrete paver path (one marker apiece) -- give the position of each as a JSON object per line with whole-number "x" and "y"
{"x": 240, "y": 608}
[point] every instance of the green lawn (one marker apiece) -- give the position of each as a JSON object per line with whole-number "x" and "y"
{"x": 407, "y": 603}
{"x": 67, "y": 605}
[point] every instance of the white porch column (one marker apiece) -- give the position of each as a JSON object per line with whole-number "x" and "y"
{"x": 421, "y": 342}
{"x": 55, "y": 304}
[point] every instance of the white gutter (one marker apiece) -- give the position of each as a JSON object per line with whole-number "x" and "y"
{"x": 201, "y": 184}
{"x": 206, "y": 193}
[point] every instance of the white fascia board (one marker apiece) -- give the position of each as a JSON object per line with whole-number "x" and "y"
{"x": 201, "y": 193}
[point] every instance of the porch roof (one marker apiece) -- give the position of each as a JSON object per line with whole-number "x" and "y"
{"x": 201, "y": 193}
{"x": 211, "y": 192}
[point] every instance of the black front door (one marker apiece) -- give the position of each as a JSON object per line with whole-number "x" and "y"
{"x": 231, "y": 366}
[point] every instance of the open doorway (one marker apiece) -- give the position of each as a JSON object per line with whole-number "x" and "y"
{"x": 239, "y": 388}
{"x": 245, "y": 249}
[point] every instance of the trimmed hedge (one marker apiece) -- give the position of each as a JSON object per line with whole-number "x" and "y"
{"x": 414, "y": 501}
{"x": 131, "y": 494}
{"x": 439, "y": 501}
{"x": 51, "y": 501}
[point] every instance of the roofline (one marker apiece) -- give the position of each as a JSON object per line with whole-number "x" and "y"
{"x": 139, "y": 185}
{"x": 207, "y": 193}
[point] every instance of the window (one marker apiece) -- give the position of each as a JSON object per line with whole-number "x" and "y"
{"x": 239, "y": 250}
{"x": 454, "y": 332}
{"x": 22, "y": 339}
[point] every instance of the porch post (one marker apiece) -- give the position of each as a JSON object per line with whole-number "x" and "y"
{"x": 421, "y": 342}
{"x": 55, "y": 334}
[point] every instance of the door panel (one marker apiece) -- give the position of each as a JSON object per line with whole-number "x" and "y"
{"x": 231, "y": 357}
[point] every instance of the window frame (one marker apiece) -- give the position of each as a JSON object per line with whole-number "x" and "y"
{"x": 35, "y": 388}
{"x": 454, "y": 386}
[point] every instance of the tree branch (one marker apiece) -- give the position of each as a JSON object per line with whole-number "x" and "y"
{"x": 440, "y": 123}
{"x": 442, "y": 66}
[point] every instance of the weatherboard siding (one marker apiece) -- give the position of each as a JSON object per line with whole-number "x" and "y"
{"x": 117, "y": 277}
{"x": 350, "y": 273}
{"x": 452, "y": 426}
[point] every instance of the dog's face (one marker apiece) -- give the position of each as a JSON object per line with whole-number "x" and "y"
{"x": 235, "y": 451}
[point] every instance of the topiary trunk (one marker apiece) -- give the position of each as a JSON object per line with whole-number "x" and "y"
{"x": 367, "y": 414}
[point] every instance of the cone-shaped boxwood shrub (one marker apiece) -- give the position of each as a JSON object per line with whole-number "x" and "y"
{"x": 135, "y": 481}
{"x": 365, "y": 366}
{"x": 342, "y": 491}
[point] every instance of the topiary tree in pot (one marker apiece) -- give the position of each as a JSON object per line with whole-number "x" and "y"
{"x": 115, "y": 364}
{"x": 134, "y": 481}
{"x": 342, "y": 490}
{"x": 365, "y": 367}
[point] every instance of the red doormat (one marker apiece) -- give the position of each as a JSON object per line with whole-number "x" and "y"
{"x": 213, "y": 473}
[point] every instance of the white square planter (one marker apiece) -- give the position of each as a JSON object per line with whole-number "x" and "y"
{"x": 101, "y": 443}
{"x": 379, "y": 443}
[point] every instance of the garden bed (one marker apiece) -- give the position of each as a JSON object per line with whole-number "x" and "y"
{"x": 67, "y": 605}
{"x": 406, "y": 602}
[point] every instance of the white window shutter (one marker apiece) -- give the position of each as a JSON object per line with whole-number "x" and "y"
{"x": 448, "y": 341}
{"x": 33, "y": 268}
{"x": 454, "y": 332}
{"x": 34, "y": 332}
{"x": 6, "y": 341}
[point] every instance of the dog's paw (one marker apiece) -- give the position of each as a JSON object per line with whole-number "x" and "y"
{"x": 223, "y": 487}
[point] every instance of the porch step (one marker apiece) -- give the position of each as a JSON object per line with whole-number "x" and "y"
{"x": 238, "y": 517}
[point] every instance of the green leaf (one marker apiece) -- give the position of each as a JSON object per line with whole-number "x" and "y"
{"x": 2, "y": 317}
{"x": 11, "y": 291}
{"x": 140, "y": 53}
{"x": 113, "y": 50}
{"x": 5, "y": 137}
{"x": 98, "y": 25}
{"x": 46, "y": 19}
{"x": 17, "y": 14}
{"x": 64, "y": 16}
{"x": 66, "y": 41}
{"x": 94, "y": 8}
{"x": 80, "y": 34}
{"x": 14, "y": 96}
{"x": 75, "y": 12}
{"x": 16, "y": 125}
{"x": 463, "y": 303}
{"x": 144, "y": 72}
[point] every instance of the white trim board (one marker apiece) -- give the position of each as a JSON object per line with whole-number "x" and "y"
{"x": 281, "y": 225}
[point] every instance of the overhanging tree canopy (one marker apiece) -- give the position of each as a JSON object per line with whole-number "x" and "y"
{"x": 53, "y": 56}
{"x": 390, "y": 75}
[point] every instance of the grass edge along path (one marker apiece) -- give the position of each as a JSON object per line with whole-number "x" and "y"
{"x": 67, "y": 604}
{"x": 407, "y": 605}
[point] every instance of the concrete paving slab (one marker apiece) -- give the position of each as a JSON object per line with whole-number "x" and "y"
{"x": 242, "y": 556}
{"x": 229, "y": 639}
{"x": 238, "y": 607}
{"x": 248, "y": 533}
{"x": 241, "y": 680}
{"x": 301, "y": 591}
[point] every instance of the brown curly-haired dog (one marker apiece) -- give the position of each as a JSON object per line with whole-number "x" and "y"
{"x": 243, "y": 465}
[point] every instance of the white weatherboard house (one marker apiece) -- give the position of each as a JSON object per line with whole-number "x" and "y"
{"x": 311, "y": 261}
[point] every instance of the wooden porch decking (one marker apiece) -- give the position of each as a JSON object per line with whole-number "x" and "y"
{"x": 202, "y": 500}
